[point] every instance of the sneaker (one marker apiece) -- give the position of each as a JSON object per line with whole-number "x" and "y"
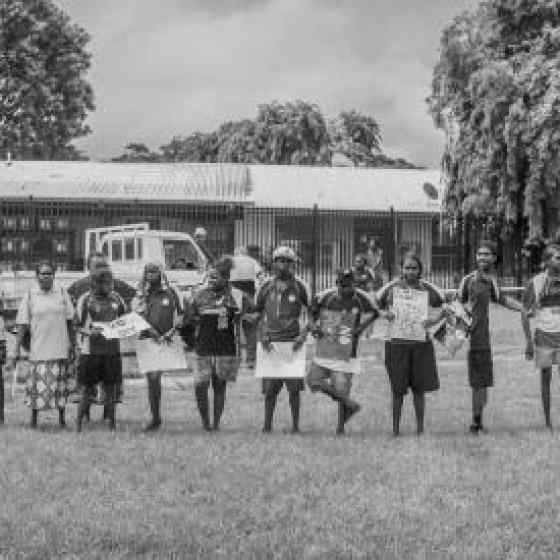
{"x": 475, "y": 428}
{"x": 152, "y": 426}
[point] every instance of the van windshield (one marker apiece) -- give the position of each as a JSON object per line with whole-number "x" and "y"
{"x": 181, "y": 254}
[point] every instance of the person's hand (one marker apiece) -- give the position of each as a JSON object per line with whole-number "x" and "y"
{"x": 298, "y": 343}
{"x": 267, "y": 346}
{"x": 529, "y": 350}
{"x": 389, "y": 315}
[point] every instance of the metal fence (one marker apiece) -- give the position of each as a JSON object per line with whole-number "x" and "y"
{"x": 325, "y": 239}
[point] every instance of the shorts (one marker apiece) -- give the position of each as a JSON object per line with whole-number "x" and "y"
{"x": 480, "y": 366}
{"x": 224, "y": 367}
{"x": 546, "y": 357}
{"x": 99, "y": 368}
{"x": 271, "y": 385}
{"x": 411, "y": 364}
{"x": 341, "y": 381}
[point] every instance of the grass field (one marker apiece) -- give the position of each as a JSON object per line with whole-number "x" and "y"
{"x": 239, "y": 494}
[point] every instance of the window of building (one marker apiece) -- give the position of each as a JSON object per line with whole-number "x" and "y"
{"x": 9, "y": 222}
{"x": 139, "y": 248}
{"x": 45, "y": 224}
{"x": 116, "y": 250}
{"x": 129, "y": 249}
{"x": 61, "y": 247}
{"x": 180, "y": 254}
{"x": 24, "y": 222}
{"x": 62, "y": 223}
{"x": 105, "y": 248}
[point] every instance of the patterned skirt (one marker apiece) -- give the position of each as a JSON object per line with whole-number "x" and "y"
{"x": 48, "y": 385}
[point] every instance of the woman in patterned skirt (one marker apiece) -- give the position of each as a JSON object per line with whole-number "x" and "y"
{"x": 45, "y": 315}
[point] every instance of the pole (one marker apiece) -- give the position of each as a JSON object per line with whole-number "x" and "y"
{"x": 393, "y": 252}
{"x": 314, "y": 244}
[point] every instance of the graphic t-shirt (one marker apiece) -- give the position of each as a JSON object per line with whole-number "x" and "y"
{"x": 281, "y": 303}
{"x": 95, "y": 308}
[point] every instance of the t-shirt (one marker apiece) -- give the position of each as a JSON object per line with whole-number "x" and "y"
{"x": 161, "y": 309}
{"x": 330, "y": 304}
{"x": 81, "y": 286}
{"x": 47, "y": 314}
{"x": 281, "y": 303}
{"x": 384, "y": 296}
{"x": 95, "y": 308}
{"x": 478, "y": 290}
{"x": 216, "y": 315}
{"x": 547, "y": 306}
{"x": 364, "y": 279}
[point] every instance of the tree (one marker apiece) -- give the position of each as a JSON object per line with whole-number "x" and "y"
{"x": 496, "y": 94}
{"x": 136, "y": 152}
{"x": 356, "y": 136}
{"x": 44, "y": 97}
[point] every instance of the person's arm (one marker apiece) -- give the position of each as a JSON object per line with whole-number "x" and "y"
{"x": 23, "y": 321}
{"x": 529, "y": 302}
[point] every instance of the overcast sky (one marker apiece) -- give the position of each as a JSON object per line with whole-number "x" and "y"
{"x": 170, "y": 67}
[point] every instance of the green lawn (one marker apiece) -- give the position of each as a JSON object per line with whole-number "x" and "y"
{"x": 239, "y": 494}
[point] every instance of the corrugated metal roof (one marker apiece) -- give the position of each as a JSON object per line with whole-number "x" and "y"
{"x": 344, "y": 188}
{"x": 276, "y": 186}
{"x": 126, "y": 181}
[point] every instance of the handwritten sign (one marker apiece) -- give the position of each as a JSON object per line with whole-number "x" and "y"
{"x": 123, "y": 327}
{"x": 411, "y": 309}
{"x": 281, "y": 362}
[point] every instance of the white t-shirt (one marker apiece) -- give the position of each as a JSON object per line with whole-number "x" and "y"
{"x": 46, "y": 314}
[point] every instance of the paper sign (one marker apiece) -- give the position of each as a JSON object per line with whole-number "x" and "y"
{"x": 281, "y": 362}
{"x": 153, "y": 356}
{"x": 123, "y": 327}
{"x": 336, "y": 342}
{"x": 411, "y": 309}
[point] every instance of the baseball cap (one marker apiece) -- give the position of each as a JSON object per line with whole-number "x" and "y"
{"x": 284, "y": 252}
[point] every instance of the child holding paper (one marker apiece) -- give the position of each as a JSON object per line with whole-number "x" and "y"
{"x": 100, "y": 360}
{"x": 409, "y": 354}
{"x": 542, "y": 299}
{"x": 215, "y": 311}
{"x": 337, "y": 323}
{"x": 161, "y": 307}
{"x": 475, "y": 292}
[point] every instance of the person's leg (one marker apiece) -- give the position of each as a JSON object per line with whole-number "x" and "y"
{"x": 1, "y": 394}
{"x": 83, "y": 406}
{"x": 110, "y": 389}
{"x": 34, "y": 417}
{"x": 419, "y": 400}
{"x": 154, "y": 399}
{"x": 479, "y": 399}
{"x": 546, "y": 377}
{"x": 341, "y": 381}
{"x": 61, "y": 417}
{"x": 250, "y": 332}
{"x": 397, "y": 411}
{"x": 271, "y": 388}
{"x": 294, "y": 408}
{"x": 201, "y": 394}
{"x": 219, "y": 387}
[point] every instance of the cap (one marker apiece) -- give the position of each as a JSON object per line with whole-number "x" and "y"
{"x": 284, "y": 252}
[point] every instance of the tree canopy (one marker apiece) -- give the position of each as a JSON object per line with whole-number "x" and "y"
{"x": 44, "y": 97}
{"x": 496, "y": 94}
{"x": 281, "y": 133}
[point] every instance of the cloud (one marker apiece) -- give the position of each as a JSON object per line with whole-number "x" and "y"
{"x": 174, "y": 66}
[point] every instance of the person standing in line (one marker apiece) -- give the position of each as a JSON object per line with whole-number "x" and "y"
{"x": 215, "y": 312}
{"x": 45, "y": 317}
{"x": 542, "y": 300}
{"x": 245, "y": 274}
{"x": 279, "y": 305}
{"x": 100, "y": 361}
{"x": 337, "y": 321}
{"x": 160, "y": 305}
{"x": 411, "y": 363}
{"x": 201, "y": 237}
{"x": 475, "y": 292}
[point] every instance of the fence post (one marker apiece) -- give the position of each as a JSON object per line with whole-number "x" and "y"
{"x": 392, "y": 253}
{"x": 314, "y": 230}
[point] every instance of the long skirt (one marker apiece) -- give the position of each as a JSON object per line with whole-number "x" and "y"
{"x": 47, "y": 385}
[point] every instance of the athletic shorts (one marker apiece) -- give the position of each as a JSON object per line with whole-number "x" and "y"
{"x": 341, "y": 381}
{"x": 271, "y": 385}
{"x": 411, "y": 364}
{"x": 480, "y": 366}
{"x": 104, "y": 368}
{"x": 546, "y": 357}
{"x": 224, "y": 367}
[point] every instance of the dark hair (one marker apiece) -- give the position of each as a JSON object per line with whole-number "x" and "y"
{"x": 42, "y": 263}
{"x": 549, "y": 251}
{"x": 95, "y": 255}
{"x": 223, "y": 266}
{"x": 412, "y": 255}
